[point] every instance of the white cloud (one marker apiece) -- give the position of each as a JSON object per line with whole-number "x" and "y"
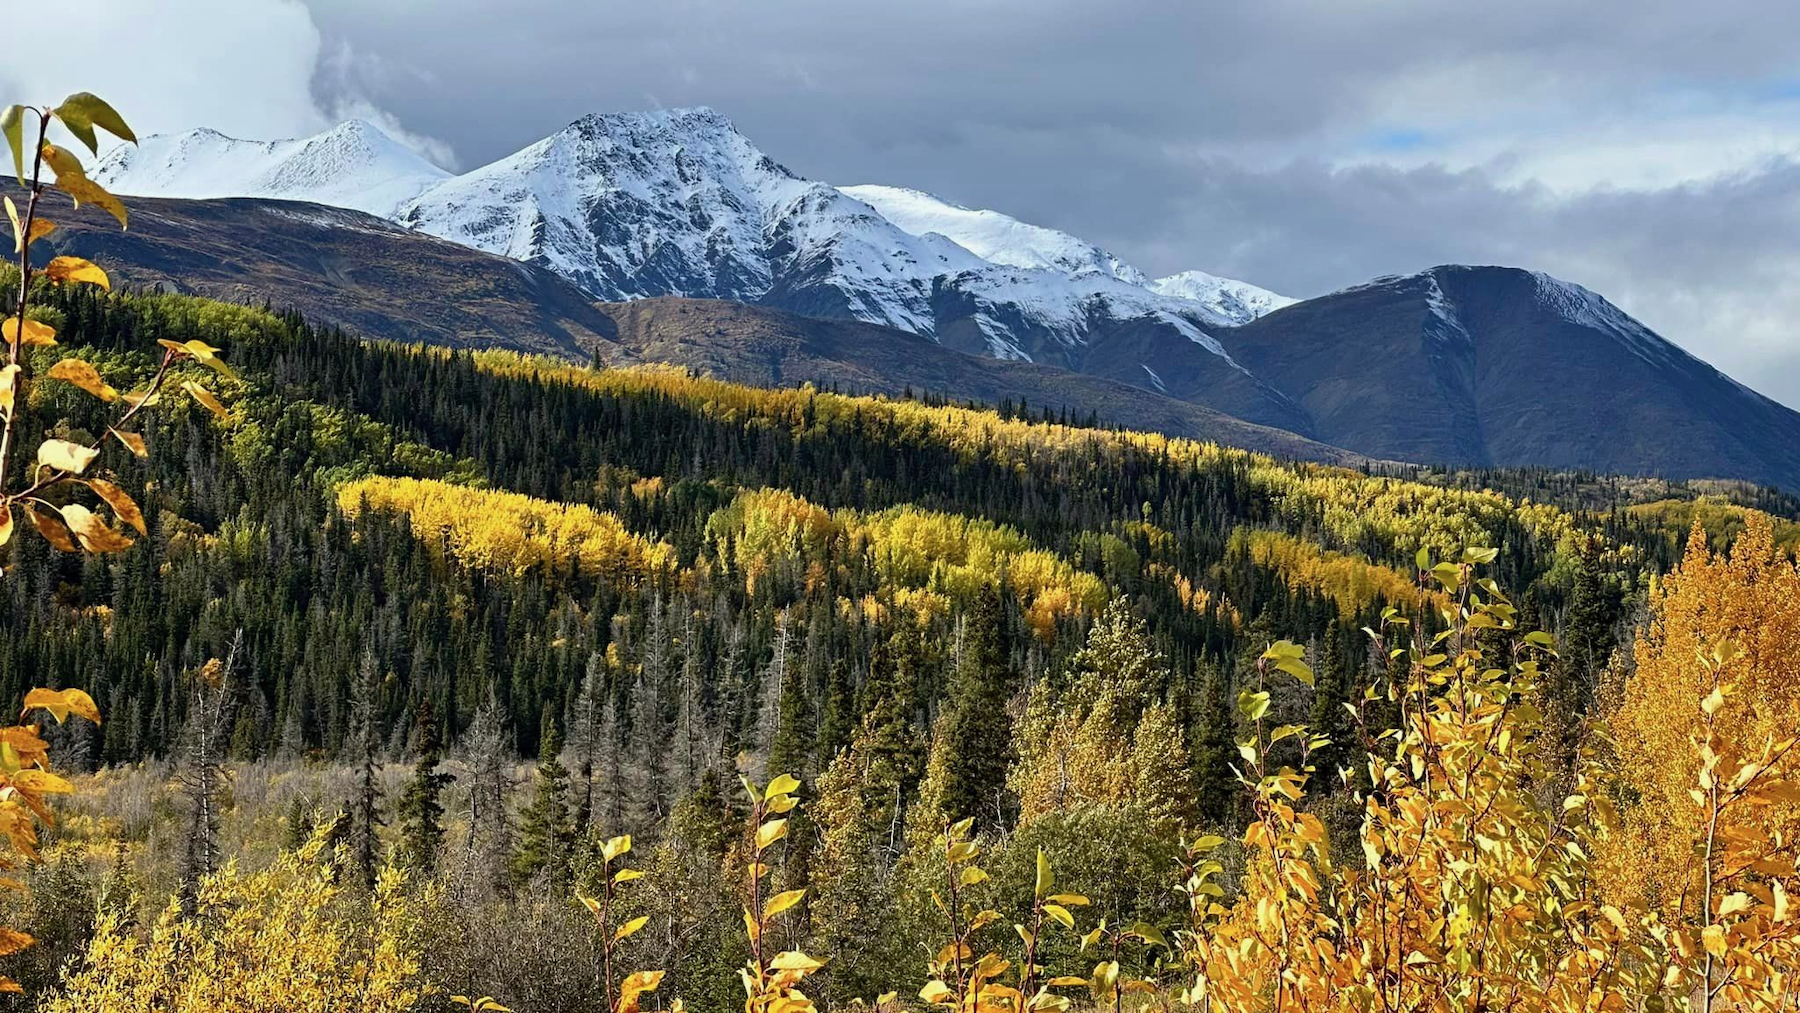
{"x": 247, "y": 68}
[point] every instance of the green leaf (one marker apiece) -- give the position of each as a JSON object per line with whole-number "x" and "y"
{"x": 1045, "y": 879}
{"x": 1253, "y": 705}
{"x": 12, "y": 124}
{"x": 1422, "y": 559}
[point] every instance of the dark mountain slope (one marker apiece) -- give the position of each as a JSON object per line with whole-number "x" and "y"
{"x": 1499, "y": 366}
{"x": 337, "y": 266}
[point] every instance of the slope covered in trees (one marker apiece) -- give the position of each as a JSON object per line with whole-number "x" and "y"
{"x": 382, "y": 555}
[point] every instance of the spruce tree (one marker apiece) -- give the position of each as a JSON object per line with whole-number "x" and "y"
{"x": 1215, "y": 750}
{"x": 977, "y": 736}
{"x": 1329, "y": 718}
{"x": 546, "y": 832}
{"x": 420, "y": 809}
{"x": 360, "y": 742}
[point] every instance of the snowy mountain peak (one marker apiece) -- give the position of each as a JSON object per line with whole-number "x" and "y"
{"x": 679, "y": 202}
{"x": 353, "y": 165}
{"x": 1237, "y": 301}
{"x": 991, "y": 235}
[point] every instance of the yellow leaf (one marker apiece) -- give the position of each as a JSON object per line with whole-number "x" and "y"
{"x": 592, "y": 904}
{"x": 62, "y": 162}
{"x": 627, "y": 875}
{"x": 63, "y": 702}
{"x": 634, "y": 986}
{"x": 630, "y": 927}
{"x": 94, "y": 534}
{"x": 613, "y": 848}
{"x": 939, "y": 994}
{"x": 52, "y": 528}
{"x": 40, "y": 227}
{"x": 9, "y": 387}
{"x": 65, "y": 456}
{"x": 12, "y": 942}
{"x": 123, "y": 506}
{"x": 205, "y": 397}
{"x": 794, "y": 960}
{"x": 82, "y": 374}
{"x": 83, "y": 111}
{"x": 1713, "y": 938}
{"x": 63, "y": 270}
{"x": 1714, "y": 701}
{"x": 34, "y": 333}
{"x": 81, "y": 188}
{"x": 781, "y": 902}
{"x": 133, "y": 442}
{"x": 43, "y": 782}
{"x": 786, "y": 784}
{"x": 12, "y": 124}
{"x": 770, "y": 832}
{"x": 6, "y": 524}
{"x": 200, "y": 352}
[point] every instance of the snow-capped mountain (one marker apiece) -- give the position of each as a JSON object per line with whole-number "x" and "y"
{"x": 1238, "y": 301}
{"x": 352, "y": 165}
{"x": 678, "y": 202}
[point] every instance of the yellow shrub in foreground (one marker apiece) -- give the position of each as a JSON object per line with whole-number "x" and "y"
{"x": 278, "y": 939}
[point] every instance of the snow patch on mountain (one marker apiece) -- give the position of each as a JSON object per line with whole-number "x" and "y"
{"x": 992, "y": 236}
{"x": 1237, "y": 301}
{"x": 1583, "y": 306}
{"x": 353, "y": 165}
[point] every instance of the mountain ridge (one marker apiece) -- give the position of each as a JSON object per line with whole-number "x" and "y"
{"x": 1424, "y": 367}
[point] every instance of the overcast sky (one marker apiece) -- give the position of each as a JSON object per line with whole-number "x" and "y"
{"x": 1648, "y": 149}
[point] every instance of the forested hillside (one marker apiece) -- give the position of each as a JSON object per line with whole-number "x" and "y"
{"x": 386, "y": 577}
{"x": 559, "y": 515}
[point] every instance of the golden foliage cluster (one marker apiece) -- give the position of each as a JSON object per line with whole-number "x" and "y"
{"x": 911, "y": 549}
{"x": 1748, "y": 599}
{"x": 508, "y": 532}
{"x": 1350, "y": 581}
